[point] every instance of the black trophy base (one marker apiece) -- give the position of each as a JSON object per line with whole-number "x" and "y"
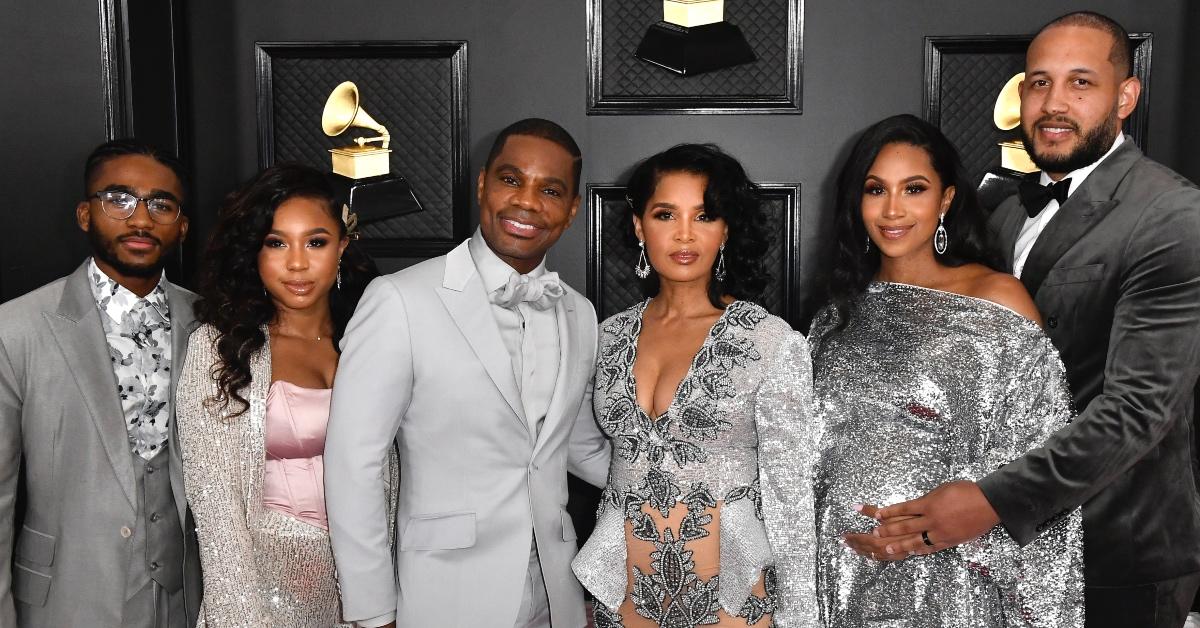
{"x": 695, "y": 50}
{"x": 996, "y": 185}
{"x": 376, "y": 198}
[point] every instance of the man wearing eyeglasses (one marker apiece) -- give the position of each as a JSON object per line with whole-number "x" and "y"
{"x": 87, "y": 373}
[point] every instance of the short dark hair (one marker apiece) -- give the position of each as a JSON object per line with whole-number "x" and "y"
{"x": 729, "y": 195}
{"x": 1120, "y": 55}
{"x": 129, "y": 146}
{"x": 545, "y": 129}
{"x": 854, "y": 268}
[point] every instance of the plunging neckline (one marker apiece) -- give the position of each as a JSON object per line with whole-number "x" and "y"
{"x": 637, "y": 339}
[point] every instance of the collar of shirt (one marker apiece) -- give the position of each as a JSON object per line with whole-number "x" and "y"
{"x": 116, "y": 300}
{"x": 493, "y": 271}
{"x": 1077, "y": 176}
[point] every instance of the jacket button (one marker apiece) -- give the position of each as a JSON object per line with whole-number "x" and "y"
{"x": 154, "y": 517}
{"x": 149, "y": 468}
{"x": 154, "y": 566}
{"x": 126, "y": 532}
{"x": 1052, "y": 322}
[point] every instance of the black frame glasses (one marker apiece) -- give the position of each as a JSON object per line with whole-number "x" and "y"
{"x": 120, "y": 205}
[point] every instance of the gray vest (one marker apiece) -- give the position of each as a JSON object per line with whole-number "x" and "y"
{"x": 157, "y": 544}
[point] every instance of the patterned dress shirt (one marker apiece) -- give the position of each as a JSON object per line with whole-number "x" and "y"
{"x": 138, "y": 331}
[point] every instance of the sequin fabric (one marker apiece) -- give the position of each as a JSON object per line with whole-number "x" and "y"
{"x": 923, "y": 387}
{"x": 261, "y": 568}
{"x": 732, "y": 457}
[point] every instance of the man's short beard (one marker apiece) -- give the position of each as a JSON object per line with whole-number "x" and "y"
{"x": 1095, "y": 143}
{"x": 106, "y": 251}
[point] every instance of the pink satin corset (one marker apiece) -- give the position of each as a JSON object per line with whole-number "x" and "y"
{"x": 294, "y": 473}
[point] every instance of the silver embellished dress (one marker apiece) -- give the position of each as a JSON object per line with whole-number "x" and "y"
{"x": 262, "y": 568}
{"x": 724, "y": 471}
{"x": 923, "y": 387}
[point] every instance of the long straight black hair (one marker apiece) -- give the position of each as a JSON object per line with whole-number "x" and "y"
{"x": 853, "y": 265}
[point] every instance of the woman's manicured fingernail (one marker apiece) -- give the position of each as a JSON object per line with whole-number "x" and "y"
{"x": 888, "y": 549}
{"x": 857, "y": 507}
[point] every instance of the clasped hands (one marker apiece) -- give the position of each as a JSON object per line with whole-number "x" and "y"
{"x": 949, "y": 515}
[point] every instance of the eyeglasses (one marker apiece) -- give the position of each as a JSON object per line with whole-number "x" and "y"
{"x": 120, "y": 205}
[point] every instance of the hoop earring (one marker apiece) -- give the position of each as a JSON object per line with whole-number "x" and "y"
{"x": 868, "y": 249}
{"x": 719, "y": 271}
{"x": 642, "y": 269}
{"x": 941, "y": 239}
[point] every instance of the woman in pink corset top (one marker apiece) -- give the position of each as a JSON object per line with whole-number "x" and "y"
{"x": 280, "y": 280}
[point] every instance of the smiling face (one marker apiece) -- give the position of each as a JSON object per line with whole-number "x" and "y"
{"x": 137, "y": 246}
{"x": 1072, "y": 98}
{"x": 298, "y": 262}
{"x": 526, "y": 200}
{"x": 681, "y": 240}
{"x": 903, "y": 197}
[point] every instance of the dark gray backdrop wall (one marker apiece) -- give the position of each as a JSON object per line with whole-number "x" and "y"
{"x": 862, "y": 61}
{"x": 52, "y": 110}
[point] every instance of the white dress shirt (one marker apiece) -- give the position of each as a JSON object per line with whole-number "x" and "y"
{"x": 530, "y": 335}
{"x": 1034, "y": 226}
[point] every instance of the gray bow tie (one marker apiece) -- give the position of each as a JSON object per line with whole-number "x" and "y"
{"x": 540, "y": 292}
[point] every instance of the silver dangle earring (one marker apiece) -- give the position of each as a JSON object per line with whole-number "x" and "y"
{"x": 642, "y": 269}
{"x": 868, "y": 249}
{"x": 719, "y": 272}
{"x": 338, "y": 281}
{"x": 941, "y": 239}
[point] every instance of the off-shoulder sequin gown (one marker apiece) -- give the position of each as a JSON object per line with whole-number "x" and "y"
{"x": 707, "y": 517}
{"x": 922, "y": 387}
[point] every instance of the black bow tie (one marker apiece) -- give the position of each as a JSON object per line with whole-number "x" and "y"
{"x": 1035, "y": 196}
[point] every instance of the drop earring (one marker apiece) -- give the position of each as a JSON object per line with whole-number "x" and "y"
{"x": 868, "y": 249}
{"x": 642, "y": 269}
{"x": 338, "y": 279}
{"x": 941, "y": 239}
{"x": 719, "y": 271}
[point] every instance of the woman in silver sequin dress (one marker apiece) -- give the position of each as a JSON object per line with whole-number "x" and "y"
{"x": 253, "y": 400}
{"x": 929, "y": 367}
{"x": 707, "y": 516}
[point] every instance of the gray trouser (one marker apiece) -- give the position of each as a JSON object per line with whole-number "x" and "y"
{"x": 535, "y": 604}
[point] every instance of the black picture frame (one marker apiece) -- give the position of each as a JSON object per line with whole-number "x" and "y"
{"x": 612, "y": 285}
{"x": 983, "y": 60}
{"x": 619, "y": 84}
{"x": 418, "y": 89}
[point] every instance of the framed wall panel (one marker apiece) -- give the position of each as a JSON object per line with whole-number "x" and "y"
{"x": 964, "y": 75}
{"x": 417, "y": 89}
{"x": 619, "y": 83}
{"x": 612, "y": 255}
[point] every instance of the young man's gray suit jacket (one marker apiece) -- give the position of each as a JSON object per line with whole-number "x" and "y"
{"x": 1116, "y": 277}
{"x": 423, "y": 363}
{"x": 75, "y": 557}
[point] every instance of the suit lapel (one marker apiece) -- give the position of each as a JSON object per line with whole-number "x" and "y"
{"x": 463, "y": 295}
{"x": 1082, "y": 211}
{"x": 1010, "y": 230}
{"x": 183, "y": 323}
{"x": 80, "y": 336}
{"x": 568, "y": 343}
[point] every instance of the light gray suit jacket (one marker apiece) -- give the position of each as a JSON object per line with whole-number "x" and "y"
{"x": 61, "y": 419}
{"x": 423, "y": 363}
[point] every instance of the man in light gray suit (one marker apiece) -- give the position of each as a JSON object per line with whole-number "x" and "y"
{"x": 478, "y": 365}
{"x": 1108, "y": 243}
{"x": 86, "y": 380}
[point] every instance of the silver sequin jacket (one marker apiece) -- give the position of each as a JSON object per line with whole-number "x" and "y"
{"x": 261, "y": 568}
{"x": 740, "y": 431}
{"x": 922, "y": 387}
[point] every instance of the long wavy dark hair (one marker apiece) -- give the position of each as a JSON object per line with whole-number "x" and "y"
{"x": 730, "y": 195}
{"x": 233, "y": 299}
{"x": 965, "y": 221}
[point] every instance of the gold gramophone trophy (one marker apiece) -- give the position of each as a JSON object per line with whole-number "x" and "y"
{"x": 362, "y": 171}
{"x": 1000, "y": 183}
{"x": 693, "y": 37}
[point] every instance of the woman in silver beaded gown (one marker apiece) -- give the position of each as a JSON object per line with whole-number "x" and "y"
{"x": 253, "y": 400}
{"x": 929, "y": 366}
{"x": 707, "y": 516}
